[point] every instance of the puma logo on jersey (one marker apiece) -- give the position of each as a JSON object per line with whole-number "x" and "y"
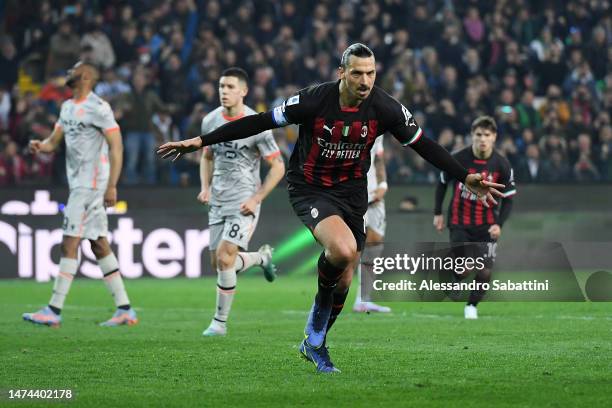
{"x": 328, "y": 129}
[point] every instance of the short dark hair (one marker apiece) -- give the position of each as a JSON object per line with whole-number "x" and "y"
{"x": 485, "y": 122}
{"x": 358, "y": 50}
{"x": 236, "y": 72}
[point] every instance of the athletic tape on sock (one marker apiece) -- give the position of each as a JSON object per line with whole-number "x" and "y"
{"x": 226, "y": 285}
{"x": 108, "y": 264}
{"x": 227, "y": 279}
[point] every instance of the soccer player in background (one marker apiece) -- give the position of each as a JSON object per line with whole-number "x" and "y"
{"x": 94, "y": 154}
{"x": 468, "y": 219}
{"x": 338, "y": 124}
{"x": 375, "y": 222}
{"x": 229, "y": 173}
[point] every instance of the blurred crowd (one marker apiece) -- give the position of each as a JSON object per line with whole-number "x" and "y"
{"x": 542, "y": 68}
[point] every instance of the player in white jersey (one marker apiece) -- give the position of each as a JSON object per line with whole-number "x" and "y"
{"x": 375, "y": 222}
{"x": 231, "y": 185}
{"x": 94, "y": 154}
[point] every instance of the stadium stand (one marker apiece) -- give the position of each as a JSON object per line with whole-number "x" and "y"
{"x": 542, "y": 68}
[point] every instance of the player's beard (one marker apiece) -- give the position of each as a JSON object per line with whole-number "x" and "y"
{"x": 72, "y": 81}
{"x": 365, "y": 90}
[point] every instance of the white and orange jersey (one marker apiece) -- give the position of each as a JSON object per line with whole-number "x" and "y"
{"x": 236, "y": 164}
{"x": 84, "y": 123}
{"x": 377, "y": 150}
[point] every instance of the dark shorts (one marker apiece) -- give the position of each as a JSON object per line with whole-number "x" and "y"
{"x": 480, "y": 244}
{"x": 312, "y": 205}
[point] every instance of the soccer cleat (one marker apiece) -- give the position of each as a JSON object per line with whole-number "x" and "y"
{"x": 44, "y": 316}
{"x": 318, "y": 356}
{"x": 268, "y": 267}
{"x": 368, "y": 307}
{"x": 470, "y": 312}
{"x": 316, "y": 326}
{"x": 121, "y": 317}
{"x": 215, "y": 329}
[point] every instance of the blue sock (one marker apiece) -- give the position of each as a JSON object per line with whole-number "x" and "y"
{"x": 316, "y": 326}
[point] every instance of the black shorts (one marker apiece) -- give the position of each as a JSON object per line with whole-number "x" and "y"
{"x": 481, "y": 243}
{"x": 313, "y": 204}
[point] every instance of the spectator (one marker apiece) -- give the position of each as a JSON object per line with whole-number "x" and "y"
{"x": 605, "y": 152}
{"x": 63, "y": 50}
{"x": 552, "y": 69}
{"x": 585, "y": 168}
{"x": 474, "y": 26}
{"x": 174, "y": 89}
{"x": 530, "y": 168}
{"x": 528, "y": 116}
{"x": 102, "y": 52}
{"x": 598, "y": 52}
{"x": 542, "y": 71}
{"x": 557, "y": 168}
{"x": 112, "y": 87}
{"x": 12, "y": 167}
{"x": 140, "y": 106}
{"x": 125, "y": 45}
{"x": 9, "y": 63}
{"x": 544, "y": 44}
{"x": 5, "y": 109}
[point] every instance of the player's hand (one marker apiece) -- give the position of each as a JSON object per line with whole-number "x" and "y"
{"x": 438, "y": 222}
{"x": 485, "y": 190}
{"x": 179, "y": 148}
{"x": 110, "y": 196}
{"x": 249, "y": 207}
{"x": 379, "y": 194}
{"x": 494, "y": 231}
{"x": 204, "y": 196}
{"x": 35, "y": 146}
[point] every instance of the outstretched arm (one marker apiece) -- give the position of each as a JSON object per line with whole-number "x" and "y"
{"x": 442, "y": 159}
{"x": 237, "y": 129}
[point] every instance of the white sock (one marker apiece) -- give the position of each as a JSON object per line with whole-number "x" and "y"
{"x": 113, "y": 280}
{"x": 63, "y": 280}
{"x": 358, "y": 294}
{"x": 366, "y": 274}
{"x": 226, "y": 288}
{"x": 244, "y": 260}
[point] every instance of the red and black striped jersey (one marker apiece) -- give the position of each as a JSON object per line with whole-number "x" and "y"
{"x": 465, "y": 210}
{"x": 334, "y": 143}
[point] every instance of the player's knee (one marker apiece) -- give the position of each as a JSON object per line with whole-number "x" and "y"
{"x": 225, "y": 259}
{"x": 97, "y": 248}
{"x": 342, "y": 254}
{"x": 69, "y": 249}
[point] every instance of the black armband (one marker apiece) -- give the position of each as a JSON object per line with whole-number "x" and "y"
{"x": 239, "y": 129}
{"x": 440, "y": 157}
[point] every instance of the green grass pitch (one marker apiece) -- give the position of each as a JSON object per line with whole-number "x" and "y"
{"x": 423, "y": 354}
